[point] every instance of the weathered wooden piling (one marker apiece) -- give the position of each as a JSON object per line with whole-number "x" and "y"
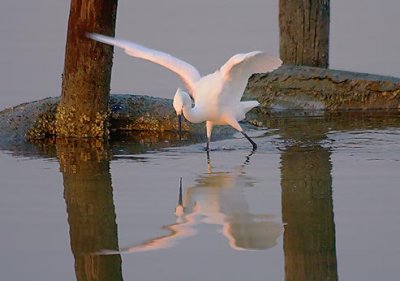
{"x": 82, "y": 111}
{"x": 304, "y": 32}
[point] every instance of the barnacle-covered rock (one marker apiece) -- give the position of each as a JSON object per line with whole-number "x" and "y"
{"x": 314, "y": 89}
{"x": 46, "y": 118}
{"x": 289, "y": 88}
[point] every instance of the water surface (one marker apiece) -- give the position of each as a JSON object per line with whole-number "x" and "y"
{"x": 317, "y": 201}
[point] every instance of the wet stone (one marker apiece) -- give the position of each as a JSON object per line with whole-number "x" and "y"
{"x": 308, "y": 90}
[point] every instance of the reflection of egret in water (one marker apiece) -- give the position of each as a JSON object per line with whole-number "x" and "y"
{"x": 182, "y": 228}
{"x": 222, "y": 202}
{"x": 217, "y": 199}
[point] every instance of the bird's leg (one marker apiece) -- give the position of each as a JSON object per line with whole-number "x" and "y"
{"x": 235, "y": 124}
{"x": 209, "y": 126}
{"x": 208, "y": 157}
{"x": 250, "y": 140}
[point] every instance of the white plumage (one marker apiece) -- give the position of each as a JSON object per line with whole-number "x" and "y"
{"x": 217, "y": 96}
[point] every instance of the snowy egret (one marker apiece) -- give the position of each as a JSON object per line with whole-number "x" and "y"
{"x": 217, "y": 96}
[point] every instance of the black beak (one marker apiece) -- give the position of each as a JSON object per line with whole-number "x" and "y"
{"x": 180, "y": 126}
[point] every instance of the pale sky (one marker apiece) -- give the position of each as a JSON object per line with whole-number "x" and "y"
{"x": 364, "y": 37}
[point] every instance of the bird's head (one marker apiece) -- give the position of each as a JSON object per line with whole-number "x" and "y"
{"x": 181, "y": 99}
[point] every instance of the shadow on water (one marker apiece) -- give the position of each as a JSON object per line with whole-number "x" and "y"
{"x": 122, "y": 143}
{"x": 88, "y": 195}
{"x": 142, "y": 141}
{"x": 307, "y": 205}
{"x": 138, "y": 142}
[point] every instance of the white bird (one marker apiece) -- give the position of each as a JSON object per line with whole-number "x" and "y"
{"x": 217, "y": 96}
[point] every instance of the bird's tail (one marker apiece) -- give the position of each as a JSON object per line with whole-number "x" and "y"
{"x": 248, "y": 105}
{"x": 245, "y": 106}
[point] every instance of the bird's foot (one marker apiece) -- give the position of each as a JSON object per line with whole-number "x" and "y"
{"x": 250, "y": 140}
{"x": 207, "y": 147}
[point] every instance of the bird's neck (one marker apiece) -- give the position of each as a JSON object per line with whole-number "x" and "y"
{"x": 193, "y": 114}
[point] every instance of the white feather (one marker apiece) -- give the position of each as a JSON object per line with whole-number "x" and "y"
{"x": 216, "y": 96}
{"x": 185, "y": 71}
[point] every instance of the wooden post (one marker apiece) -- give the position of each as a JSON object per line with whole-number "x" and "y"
{"x": 87, "y": 70}
{"x": 304, "y": 32}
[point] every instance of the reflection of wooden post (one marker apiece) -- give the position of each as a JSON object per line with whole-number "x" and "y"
{"x": 87, "y": 70}
{"x": 307, "y": 208}
{"x": 304, "y": 32}
{"x": 91, "y": 213}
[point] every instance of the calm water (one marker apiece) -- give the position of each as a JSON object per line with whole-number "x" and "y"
{"x": 317, "y": 201}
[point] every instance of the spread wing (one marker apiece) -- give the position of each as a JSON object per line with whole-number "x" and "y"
{"x": 238, "y": 69}
{"x": 185, "y": 71}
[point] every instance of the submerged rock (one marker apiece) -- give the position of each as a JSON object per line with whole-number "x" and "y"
{"x": 312, "y": 88}
{"x": 289, "y": 89}
{"x": 33, "y": 118}
{"x": 142, "y": 113}
{"x": 36, "y": 120}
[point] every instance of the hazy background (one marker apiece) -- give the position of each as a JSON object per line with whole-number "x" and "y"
{"x": 364, "y": 37}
